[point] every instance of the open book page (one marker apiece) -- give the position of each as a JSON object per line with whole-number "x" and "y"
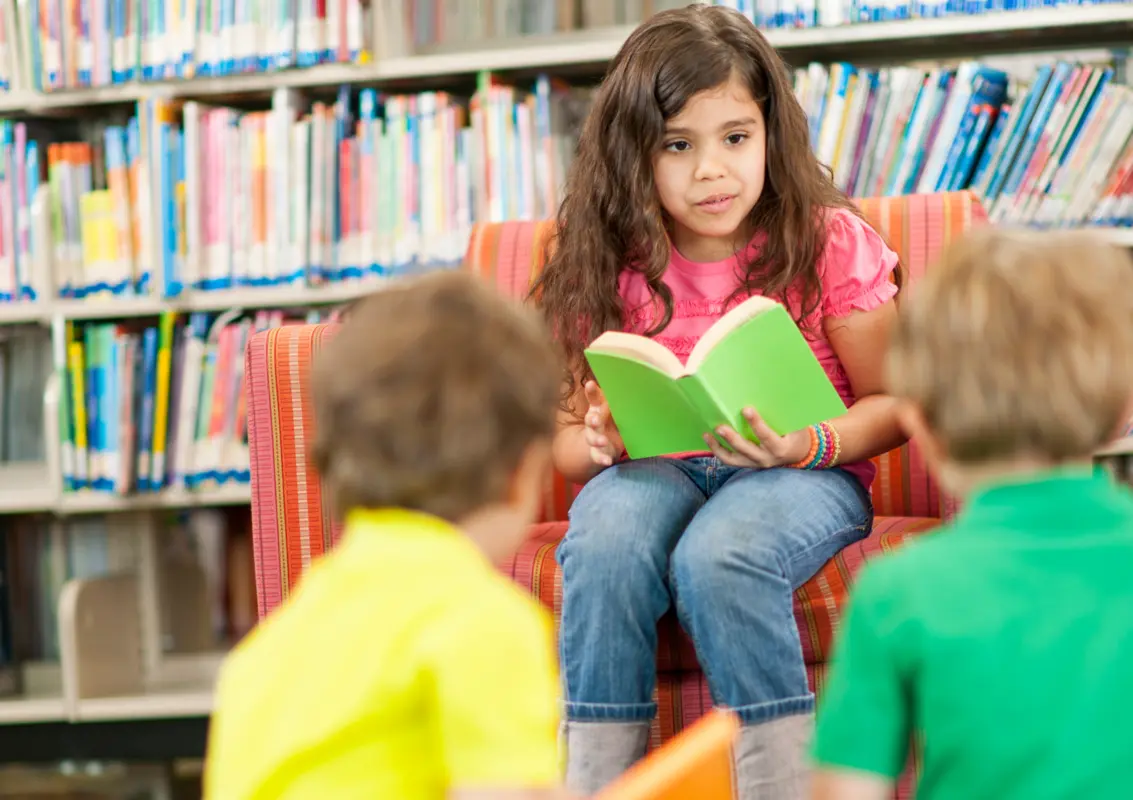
{"x": 639, "y": 348}
{"x": 767, "y": 363}
{"x": 652, "y": 411}
{"x": 752, "y": 307}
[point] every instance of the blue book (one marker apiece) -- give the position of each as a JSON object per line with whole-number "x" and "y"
{"x": 148, "y": 386}
{"x": 1013, "y": 137}
{"x": 1038, "y": 123}
{"x": 993, "y": 140}
{"x": 987, "y": 88}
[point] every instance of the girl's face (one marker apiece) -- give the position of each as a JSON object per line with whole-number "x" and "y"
{"x": 710, "y": 170}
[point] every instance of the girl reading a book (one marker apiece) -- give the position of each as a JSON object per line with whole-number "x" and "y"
{"x": 695, "y": 187}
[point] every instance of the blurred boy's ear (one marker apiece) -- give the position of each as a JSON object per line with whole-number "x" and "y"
{"x": 529, "y": 482}
{"x": 912, "y": 422}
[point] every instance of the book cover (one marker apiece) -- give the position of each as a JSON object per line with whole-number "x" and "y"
{"x": 753, "y": 356}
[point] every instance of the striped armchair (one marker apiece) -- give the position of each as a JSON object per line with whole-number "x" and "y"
{"x": 291, "y": 525}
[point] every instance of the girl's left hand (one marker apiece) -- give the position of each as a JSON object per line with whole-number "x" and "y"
{"x": 773, "y": 450}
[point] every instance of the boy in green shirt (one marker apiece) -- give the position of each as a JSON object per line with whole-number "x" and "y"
{"x": 1004, "y": 641}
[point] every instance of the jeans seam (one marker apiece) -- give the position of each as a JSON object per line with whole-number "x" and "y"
{"x": 682, "y": 611}
{"x": 860, "y": 529}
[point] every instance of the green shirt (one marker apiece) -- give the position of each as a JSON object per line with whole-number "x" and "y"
{"x": 1003, "y": 642}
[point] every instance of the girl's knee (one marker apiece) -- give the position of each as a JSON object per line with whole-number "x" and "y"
{"x": 609, "y": 553}
{"x": 625, "y": 522}
{"x": 637, "y": 499}
{"x": 712, "y": 564}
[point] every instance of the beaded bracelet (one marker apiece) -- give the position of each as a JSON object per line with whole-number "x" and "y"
{"x": 825, "y": 448}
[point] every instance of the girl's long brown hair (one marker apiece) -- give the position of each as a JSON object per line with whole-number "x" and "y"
{"x": 610, "y": 218}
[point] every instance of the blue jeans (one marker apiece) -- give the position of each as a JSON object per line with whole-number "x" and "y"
{"x": 727, "y": 547}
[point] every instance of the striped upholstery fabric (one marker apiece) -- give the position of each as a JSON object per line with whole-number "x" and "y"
{"x": 291, "y": 525}
{"x": 917, "y": 227}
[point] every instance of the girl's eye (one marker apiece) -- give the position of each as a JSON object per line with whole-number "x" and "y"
{"x": 735, "y": 138}
{"x": 678, "y": 146}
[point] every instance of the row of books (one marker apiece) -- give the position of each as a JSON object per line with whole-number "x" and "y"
{"x": 146, "y": 407}
{"x": 188, "y": 196}
{"x": 47, "y": 45}
{"x": 1054, "y": 150}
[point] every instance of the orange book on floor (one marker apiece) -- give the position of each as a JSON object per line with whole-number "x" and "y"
{"x": 695, "y": 765}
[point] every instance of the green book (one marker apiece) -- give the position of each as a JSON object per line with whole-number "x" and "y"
{"x": 754, "y": 356}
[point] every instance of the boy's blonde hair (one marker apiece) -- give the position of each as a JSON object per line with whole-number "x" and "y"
{"x": 429, "y": 395}
{"x": 1019, "y": 345}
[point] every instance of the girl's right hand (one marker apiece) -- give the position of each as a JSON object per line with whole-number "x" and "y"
{"x": 601, "y": 433}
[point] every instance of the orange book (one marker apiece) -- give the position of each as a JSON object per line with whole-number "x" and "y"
{"x": 695, "y": 765}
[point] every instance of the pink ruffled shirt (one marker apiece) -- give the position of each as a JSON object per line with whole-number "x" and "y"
{"x": 855, "y": 270}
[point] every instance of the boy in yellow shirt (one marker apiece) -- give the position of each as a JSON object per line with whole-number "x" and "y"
{"x": 405, "y": 666}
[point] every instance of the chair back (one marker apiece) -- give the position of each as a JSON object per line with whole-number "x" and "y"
{"x": 291, "y": 523}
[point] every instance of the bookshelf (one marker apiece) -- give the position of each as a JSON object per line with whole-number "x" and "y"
{"x": 139, "y": 678}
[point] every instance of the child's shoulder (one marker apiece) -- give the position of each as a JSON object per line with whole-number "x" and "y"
{"x": 493, "y": 616}
{"x": 856, "y": 265}
{"x": 493, "y": 599}
{"x": 847, "y": 229}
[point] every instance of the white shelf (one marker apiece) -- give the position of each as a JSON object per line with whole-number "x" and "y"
{"x": 183, "y": 687}
{"x": 189, "y": 701}
{"x": 1122, "y": 237}
{"x": 90, "y": 502}
{"x": 1120, "y": 447}
{"x": 22, "y": 312}
{"x": 580, "y": 48}
{"x": 131, "y": 307}
{"x": 30, "y": 488}
{"x": 270, "y": 297}
{"x": 43, "y": 698}
{"x": 1070, "y": 21}
{"x": 26, "y": 488}
{"x": 29, "y": 709}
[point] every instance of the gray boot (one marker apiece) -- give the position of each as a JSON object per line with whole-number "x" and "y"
{"x": 598, "y": 752}
{"x": 771, "y": 759}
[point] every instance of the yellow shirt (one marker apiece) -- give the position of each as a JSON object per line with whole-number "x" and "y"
{"x": 403, "y": 665}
